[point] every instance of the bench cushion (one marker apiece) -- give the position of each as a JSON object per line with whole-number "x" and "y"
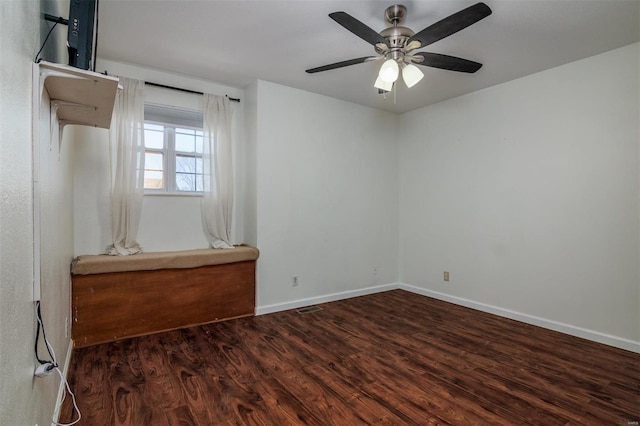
{"x": 100, "y": 264}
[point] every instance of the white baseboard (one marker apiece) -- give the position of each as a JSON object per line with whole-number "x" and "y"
{"x": 572, "y": 330}
{"x": 61, "y": 388}
{"x": 300, "y": 303}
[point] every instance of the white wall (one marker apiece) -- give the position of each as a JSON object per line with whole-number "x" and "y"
{"x": 25, "y": 400}
{"x": 249, "y": 188}
{"x": 327, "y": 204}
{"x": 91, "y": 188}
{"x": 528, "y": 193}
{"x": 168, "y": 222}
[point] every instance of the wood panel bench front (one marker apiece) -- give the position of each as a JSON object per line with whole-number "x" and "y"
{"x": 117, "y": 305}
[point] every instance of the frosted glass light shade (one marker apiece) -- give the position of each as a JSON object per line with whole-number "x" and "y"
{"x": 411, "y": 75}
{"x": 379, "y": 84}
{"x": 389, "y": 71}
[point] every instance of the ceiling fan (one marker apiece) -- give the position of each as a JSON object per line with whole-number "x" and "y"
{"x": 397, "y": 44}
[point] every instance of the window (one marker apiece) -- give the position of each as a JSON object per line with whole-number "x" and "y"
{"x": 173, "y": 151}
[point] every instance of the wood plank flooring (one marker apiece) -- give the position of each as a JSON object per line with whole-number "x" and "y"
{"x": 392, "y": 358}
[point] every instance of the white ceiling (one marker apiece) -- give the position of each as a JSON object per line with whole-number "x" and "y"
{"x": 236, "y": 42}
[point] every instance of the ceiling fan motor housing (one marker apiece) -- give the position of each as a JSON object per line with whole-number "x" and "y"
{"x": 396, "y": 35}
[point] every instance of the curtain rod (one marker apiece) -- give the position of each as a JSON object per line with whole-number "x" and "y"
{"x": 180, "y": 89}
{"x": 164, "y": 86}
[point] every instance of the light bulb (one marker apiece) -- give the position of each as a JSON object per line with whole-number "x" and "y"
{"x": 389, "y": 71}
{"x": 379, "y": 84}
{"x": 411, "y": 75}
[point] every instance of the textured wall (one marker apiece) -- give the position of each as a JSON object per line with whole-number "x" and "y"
{"x": 25, "y": 400}
{"x": 21, "y": 400}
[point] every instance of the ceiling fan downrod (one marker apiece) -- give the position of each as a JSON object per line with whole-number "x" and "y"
{"x": 396, "y": 34}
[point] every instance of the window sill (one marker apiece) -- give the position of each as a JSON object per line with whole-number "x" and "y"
{"x": 173, "y": 194}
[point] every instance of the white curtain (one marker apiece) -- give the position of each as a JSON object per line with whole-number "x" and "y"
{"x": 217, "y": 201}
{"x": 127, "y": 167}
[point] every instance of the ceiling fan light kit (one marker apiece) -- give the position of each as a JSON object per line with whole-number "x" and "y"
{"x": 389, "y": 71}
{"x": 381, "y": 85}
{"x": 411, "y": 75}
{"x": 396, "y": 45}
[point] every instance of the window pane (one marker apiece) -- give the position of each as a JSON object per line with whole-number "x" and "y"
{"x": 153, "y": 179}
{"x": 185, "y": 164}
{"x": 185, "y": 182}
{"x": 189, "y": 173}
{"x": 185, "y": 142}
{"x": 153, "y": 138}
{"x": 153, "y": 161}
{"x": 199, "y": 142}
{"x": 151, "y": 126}
{"x": 153, "y": 170}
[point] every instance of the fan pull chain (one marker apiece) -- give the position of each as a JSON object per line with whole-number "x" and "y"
{"x": 394, "y": 92}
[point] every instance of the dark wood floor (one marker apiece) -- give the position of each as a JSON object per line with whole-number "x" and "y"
{"x": 391, "y": 358}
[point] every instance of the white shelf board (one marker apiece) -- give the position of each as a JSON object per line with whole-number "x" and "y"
{"x": 79, "y": 96}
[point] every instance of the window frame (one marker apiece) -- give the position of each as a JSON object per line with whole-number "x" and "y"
{"x": 169, "y": 159}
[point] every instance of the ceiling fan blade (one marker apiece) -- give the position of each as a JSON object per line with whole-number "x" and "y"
{"x": 358, "y": 28}
{"x": 451, "y": 24}
{"x": 447, "y": 62}
{"x": 341, "y": 64}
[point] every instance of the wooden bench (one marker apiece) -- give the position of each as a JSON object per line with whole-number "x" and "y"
{"x": 116, "y": 297}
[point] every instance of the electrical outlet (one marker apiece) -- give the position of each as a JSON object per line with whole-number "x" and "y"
{"x": 44, "y": 369}
{"x": 446, "y": 276}
{"x": 294, "y": 281}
